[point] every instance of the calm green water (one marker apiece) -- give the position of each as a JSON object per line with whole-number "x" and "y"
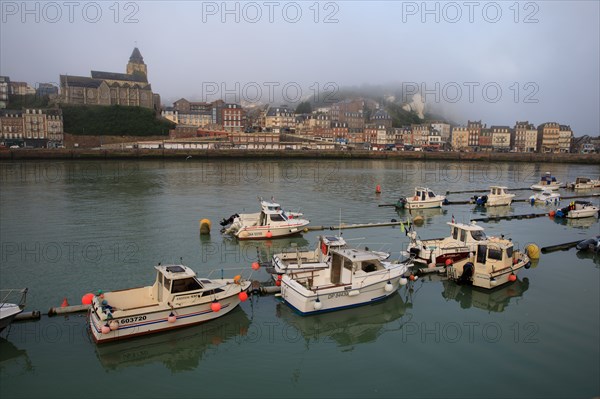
{"x": 68, "y": 228}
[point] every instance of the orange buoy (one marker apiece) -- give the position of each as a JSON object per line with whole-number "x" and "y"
{"x": 215, "y": 306}
{"x": 551, "y": 214}
{"x": 269, "y": 234}
{"x": 512, "y": 277}
{"x": 87, "y": 299}
{"x": 378, "y": 189}
{"x": 411, "y": 277}
{"x": 255, "y": 266}
{"x": 243, "y": 296}
{"x": 65, "y": 303}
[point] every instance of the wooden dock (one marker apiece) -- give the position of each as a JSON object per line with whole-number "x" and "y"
{"x": 358, "y": 225}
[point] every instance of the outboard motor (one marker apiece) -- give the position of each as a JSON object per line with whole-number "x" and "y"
{"x": 465, "y": 277}
{"x": 226, "y": 222}
{"x": 481, "y": 200}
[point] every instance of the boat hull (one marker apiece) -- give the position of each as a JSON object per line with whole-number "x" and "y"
{"x": 542, "y": 187}
{"x": 498, "y": 201}
{"x": 411, "y": 204}
{"x": 584, "y": 213}
{"x": 337, "y": 298}
{"x": 8, "y": 313}
{"x": 158, "y": 320}
{"x": 264, "y": 232}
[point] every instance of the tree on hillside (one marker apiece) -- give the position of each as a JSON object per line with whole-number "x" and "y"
{"x": 304, "y": 108}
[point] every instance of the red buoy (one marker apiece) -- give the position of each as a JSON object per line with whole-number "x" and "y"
{"x": 551, "y": 214}
{"x": 65, "y": 303}
{"x": 411, "y": 277}
{"x": 215, "y": 306}
{"x": 269, "y": 234}
{"x": 378, "y": 189}
{"x": 87, "y": 299}
{"x": 512, "y": 277}
{"x": 449, "y": 262}
{"x": 243, "y": 296}
{"x": 278, "y": 283}
{"x": 255, "y": 266}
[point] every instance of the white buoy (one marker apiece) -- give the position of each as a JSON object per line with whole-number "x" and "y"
{"x": 388, "y": 287}
{"x": 403, "y": 281}
{"x": 318, "y": 304}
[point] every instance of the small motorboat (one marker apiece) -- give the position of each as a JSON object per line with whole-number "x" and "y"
{"x": 463, "y": 240}
{"x": 271, "y": 222}
{"x": 583, "y": 183}
{"x": 349, "y": 278}
{"x": 498, "y": 196}
{"x": 494, "y": 262}
{"x": 591, "y": 245}
{"x": 291, "y": 261}
{"x": 578, "y": 209}
{"x": 422, "y": 199}
{"x": 176, "y": 299}
{"x": 547, "y": 182}
{"x": 8, "y": 309}
{"x": 546, "y": 197}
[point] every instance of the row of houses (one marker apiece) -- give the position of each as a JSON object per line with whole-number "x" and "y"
{"x": 31, "y": 127}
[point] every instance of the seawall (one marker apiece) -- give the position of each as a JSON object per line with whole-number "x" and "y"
{"x": 107, "y": 154}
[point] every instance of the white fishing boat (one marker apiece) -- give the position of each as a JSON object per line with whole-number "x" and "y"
{"x": 547, "y": 182}
{"x": 8, "y": 309}
{"x": 350, "y": 278}
{"x": 546, "y": 197}
{"x": 271, "y": 222}
{"x": 176, "y": 299}
{"x": 577, "y": 210}
{"x": 494, "y": 262}
{"x": 498, "y": 196}
{"x": 423, "y": 198}
{"x": 291, "y": 261}
{"x": 463, "y": 239}
{"x": 583, "y": 183}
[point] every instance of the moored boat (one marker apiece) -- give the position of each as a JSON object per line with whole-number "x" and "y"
{"x": 547, "y": 182}
{"x": 176, "y": 299}
{"x": 578, "y": 209}
{"x": 463, "y": 239}
{"x": 494, "y": 262}
{"x": 350, "y": 278}
{"x": 423, "y": 198}
{"x": 545, "y": 197}
{"x": 498, "y": 196}
{"x": 271, "y": 222}
{"x": 8, "y": 309}
{"x": 290, "y": 261}
{"x": 583, "y": 183}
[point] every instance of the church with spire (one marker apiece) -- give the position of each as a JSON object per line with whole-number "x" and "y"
{"x": 112, "y": 88}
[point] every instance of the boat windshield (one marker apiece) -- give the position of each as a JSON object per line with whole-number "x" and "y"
{"x": 478, "y": 235}
{"x": 431, "y": 194}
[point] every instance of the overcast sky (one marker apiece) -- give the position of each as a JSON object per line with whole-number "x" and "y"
{"x": 495, "y": 61}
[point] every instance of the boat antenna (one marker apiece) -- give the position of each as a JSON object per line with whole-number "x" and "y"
{"x": 340, "y": 225}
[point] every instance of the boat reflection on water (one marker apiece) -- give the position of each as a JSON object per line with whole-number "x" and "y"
{"x": 428, "y": 214}
{"x": 265, "y": 248}
{"x": 13, "y": 359}
{"x": 495, "y": 300}
{"x": 178, "y": 350}
{"x": 594, "y": 256}
{"x": 583, "y": 223}
{"x": 349, "y": 327}
{"x": 494, "y": 211}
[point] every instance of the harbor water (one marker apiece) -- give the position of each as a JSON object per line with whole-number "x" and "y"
{"x": 72, "y": 227}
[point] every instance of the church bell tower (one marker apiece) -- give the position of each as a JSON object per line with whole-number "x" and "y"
{"x": 136, "y": 65}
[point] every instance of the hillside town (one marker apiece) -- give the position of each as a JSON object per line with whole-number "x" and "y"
{"x": 348, "y": 123}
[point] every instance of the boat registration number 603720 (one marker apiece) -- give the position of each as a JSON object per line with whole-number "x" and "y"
{"x": 132, "y": 319}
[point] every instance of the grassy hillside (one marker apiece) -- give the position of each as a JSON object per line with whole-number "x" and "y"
{"x": 114, "y": 120}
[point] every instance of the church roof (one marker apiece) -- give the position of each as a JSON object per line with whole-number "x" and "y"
{"x": 119, "y": 76}
{"x": 79, "y": 81}
{"x": 136, "y": 56}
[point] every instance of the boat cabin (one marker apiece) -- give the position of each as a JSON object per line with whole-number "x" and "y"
{"x": 467, "y": 233}
{"x": 547, "y": 179}
{"x": 498, "y": 190}
{"x": 347, "y": 262}
{"x": 423, "y": 193}
{"x": 173, "y": 280}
